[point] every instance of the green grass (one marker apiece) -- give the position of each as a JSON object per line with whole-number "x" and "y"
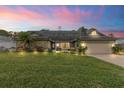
{"x": 57, "y": 70}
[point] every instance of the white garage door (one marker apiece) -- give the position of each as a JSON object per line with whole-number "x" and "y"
{"x": 99, "y": 48}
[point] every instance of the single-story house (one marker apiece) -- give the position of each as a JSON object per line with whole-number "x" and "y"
{"x": 6, "y": 43}
{"x": 96, "y": 42}
{"x": 121, "y": 44}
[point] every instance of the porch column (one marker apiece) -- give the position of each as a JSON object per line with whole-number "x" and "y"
{"x": 52, "y": 45}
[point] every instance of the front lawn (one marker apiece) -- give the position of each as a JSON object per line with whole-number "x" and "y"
{"x": 57, "y": 70}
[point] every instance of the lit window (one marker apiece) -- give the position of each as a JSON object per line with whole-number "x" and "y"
{"x": 93, "y": 33}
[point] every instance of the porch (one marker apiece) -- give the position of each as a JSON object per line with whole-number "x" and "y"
{"x": 63, "y": 45}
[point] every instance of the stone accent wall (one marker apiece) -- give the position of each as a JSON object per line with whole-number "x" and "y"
{"x": 44, "y": 44}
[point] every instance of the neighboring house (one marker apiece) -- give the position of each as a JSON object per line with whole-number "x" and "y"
{"x": 7, "y": 42}
{"x": 121, "y": 44}
{"x": 96, "y": 42}
{"x": 120, "y": 41}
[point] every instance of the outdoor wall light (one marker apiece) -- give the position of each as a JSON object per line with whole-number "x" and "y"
{"x": 83, "y": 45}
{"x": 35, "y": 52}
{"x": 113, "y": 44}
{"x": 22, "y": 53}
{"x": 57, "y": 44}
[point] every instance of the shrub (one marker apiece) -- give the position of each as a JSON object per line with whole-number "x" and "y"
{"x": 39, "y": 49}
{"x": 116, "y": 49}
{"x": 50, "y": 50}
{"x": 72, "y": 51}
{"x": 28, "y": 50}
{"x": 3, "y": 49}
{"x": 82, "y": 50}
{"x": 58, "y": 49}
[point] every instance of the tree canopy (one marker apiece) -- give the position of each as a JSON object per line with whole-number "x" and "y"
{"x": 3, "y": 32}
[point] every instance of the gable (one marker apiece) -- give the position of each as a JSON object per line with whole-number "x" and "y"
{"x": 94, "y": 33}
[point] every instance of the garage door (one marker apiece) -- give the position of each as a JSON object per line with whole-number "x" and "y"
{"x": 99, "y": 48}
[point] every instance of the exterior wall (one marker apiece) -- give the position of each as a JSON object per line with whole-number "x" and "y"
{"x": 7, "y": 42}
{"x": 44, "y": 44}
{"x": 99, "y": 47}
{"x": 47, "y": 44}
{"x": 94, "y": 47}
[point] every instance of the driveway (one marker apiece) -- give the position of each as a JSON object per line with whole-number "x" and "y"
{"x": 111, "y": 58}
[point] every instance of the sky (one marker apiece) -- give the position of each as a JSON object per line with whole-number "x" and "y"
{"x": 106, "y": 18}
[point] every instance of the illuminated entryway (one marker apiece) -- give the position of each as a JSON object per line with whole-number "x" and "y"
{"x": 63, "y": 45}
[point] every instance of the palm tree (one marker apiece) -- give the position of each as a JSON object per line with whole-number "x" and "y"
{"x": 78, "y": 42}
{"x": 25, "y": 38}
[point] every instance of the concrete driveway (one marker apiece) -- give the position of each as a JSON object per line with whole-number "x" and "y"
{"x": 114, "y": 59}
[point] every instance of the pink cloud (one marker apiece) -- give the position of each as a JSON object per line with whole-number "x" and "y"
{"x": 58, "y": 16}
{"x": 68, "y": 16}
{"x": 63, "y": 15}
{"x": 116, "y": 34}
{"x": 7, "y": 13}
{"x": 119, "y": 34}
{"x": 19, "y": 14}
{"x": 30, "y": 14}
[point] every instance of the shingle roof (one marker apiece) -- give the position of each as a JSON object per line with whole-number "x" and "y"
{"x": 67, "y": 35}
{"x": 56, "y": 35}
{"x": 101, "y": 38}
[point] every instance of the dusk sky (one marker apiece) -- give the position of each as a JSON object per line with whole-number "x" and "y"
{"x": 104, "y": 18}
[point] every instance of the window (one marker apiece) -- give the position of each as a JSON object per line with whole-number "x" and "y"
{"x": 93, "y": 33}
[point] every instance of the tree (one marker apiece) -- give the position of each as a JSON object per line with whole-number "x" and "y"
{"x": 25, "y": 38}
{"x": 82, "y": 30}
{"x": 111, "y": 35}
{"x": 4, "y": 32}
{"x": 78, "y": 42}
{"x": 80, "y": 48}
{"x": 84, "y": 49}
{"x": 116, "y": 49}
